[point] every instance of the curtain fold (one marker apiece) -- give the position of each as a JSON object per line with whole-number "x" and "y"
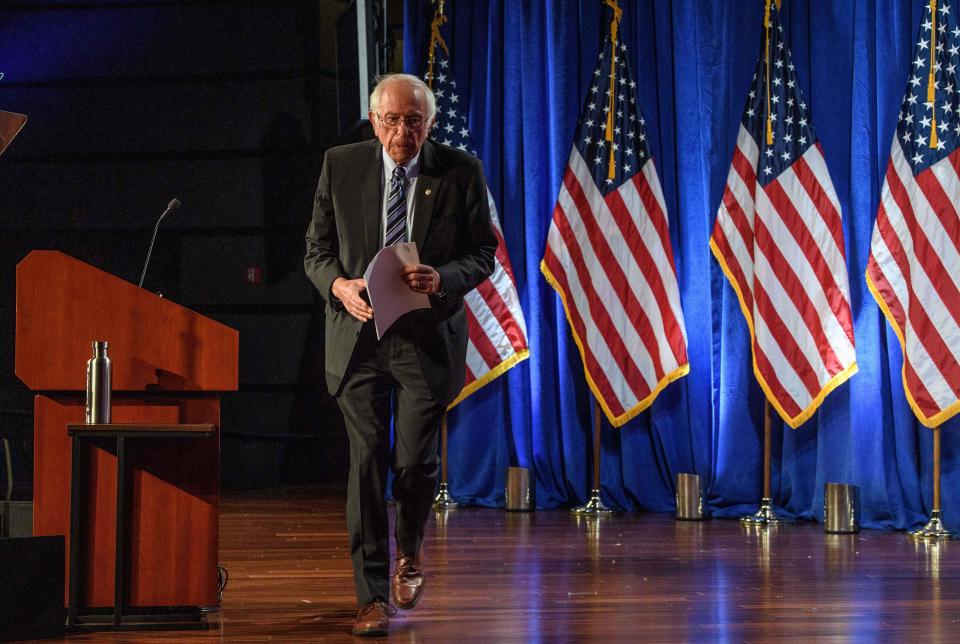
{"x": 524, "y": 69}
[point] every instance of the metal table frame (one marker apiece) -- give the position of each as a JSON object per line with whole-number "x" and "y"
{"x": 155, "y": 618}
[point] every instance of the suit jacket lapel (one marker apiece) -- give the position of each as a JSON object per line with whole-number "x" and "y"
{"x": 371, "y": 201}
{"x": 426, "y": 198}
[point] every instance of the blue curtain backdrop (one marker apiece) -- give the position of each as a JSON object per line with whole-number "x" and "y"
{"x": 524, "y": 69}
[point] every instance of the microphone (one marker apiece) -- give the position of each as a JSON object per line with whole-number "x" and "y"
{"x": 173, "y": 205}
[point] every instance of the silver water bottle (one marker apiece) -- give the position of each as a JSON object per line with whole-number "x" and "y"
{"x": 98, "y": 384}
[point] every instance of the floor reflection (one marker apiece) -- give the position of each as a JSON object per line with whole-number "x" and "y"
{"x": 550, "y": 576}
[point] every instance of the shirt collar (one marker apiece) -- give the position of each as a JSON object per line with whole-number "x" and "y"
{"x": 412, "y": 166}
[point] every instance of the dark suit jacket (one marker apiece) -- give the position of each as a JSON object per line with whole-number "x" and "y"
{"x": 451, "y": 228}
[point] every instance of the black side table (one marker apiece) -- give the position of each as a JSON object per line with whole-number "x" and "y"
{"x": 166, "y": 617}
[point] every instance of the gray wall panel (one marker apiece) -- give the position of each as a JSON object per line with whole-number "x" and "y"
{"x": 213, "y": 271}
{"x": 185, "y": 117}
{"x": 119, "y": 40}
{"x": 272, "y": 346}
{"x": 216, "y": 192}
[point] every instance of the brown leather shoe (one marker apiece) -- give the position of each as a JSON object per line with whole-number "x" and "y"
{"x": 407, "y": 582}
{"x": 373, "y": 618}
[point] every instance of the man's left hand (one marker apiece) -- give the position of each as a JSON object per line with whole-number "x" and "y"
{"x": 421, "y": 278}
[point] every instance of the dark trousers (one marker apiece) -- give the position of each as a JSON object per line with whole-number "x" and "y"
{"x": 386, "y": 376}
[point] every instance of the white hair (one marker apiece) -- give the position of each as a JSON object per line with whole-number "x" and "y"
{"x": 414, "y": 82}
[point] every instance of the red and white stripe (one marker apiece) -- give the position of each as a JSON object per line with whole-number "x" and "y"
{"x": 610, "y": 259}
{"x": 497, "y": 332}
{"x": 781, "y": 246}
{"x": 914, "y": 274}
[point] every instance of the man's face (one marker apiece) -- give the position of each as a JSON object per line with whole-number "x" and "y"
{"x": 400, "y": 100}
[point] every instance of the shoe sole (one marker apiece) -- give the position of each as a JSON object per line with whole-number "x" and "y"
{"x": 406, "y": 606}
{"x": 376, "y": 632}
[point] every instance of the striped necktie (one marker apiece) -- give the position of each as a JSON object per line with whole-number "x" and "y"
{"x": 397, "y": 208}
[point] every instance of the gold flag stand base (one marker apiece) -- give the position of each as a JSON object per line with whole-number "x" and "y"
{"x": 443, "y": 500}
{"x": 765, "y": 516}
{"x": 933, "y": 531}
{"x": 594, "y": 507}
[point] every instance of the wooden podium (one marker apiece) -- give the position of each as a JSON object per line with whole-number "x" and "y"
{"x": 169, "y": 365}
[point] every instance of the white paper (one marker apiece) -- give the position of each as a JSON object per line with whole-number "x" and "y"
{"x": 389, "y": 295}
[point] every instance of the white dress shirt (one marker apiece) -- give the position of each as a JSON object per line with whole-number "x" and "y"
{"x": 413, "y": 171}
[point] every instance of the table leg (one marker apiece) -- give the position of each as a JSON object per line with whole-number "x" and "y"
{"x": 118, "y": 590}
{"x": 76, "y": 478}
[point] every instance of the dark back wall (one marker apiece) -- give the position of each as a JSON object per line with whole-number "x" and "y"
{"x": 226, "y": 105}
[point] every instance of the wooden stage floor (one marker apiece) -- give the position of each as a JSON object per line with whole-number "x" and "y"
{"x": 547, "y": 577}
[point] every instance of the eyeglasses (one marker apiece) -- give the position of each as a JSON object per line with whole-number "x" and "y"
{"x": 411, "y": 122}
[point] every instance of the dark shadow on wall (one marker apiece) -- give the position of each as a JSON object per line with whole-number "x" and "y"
{"x": 288, "y": 186}
{"x": 314, "y": 428}
{"x": 314, "y": 413}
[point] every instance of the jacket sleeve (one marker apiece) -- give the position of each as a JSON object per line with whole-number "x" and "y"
{"x": 475, "y": 261}
{"x": 322, "y": 263}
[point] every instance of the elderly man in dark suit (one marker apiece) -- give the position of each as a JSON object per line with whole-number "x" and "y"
{"x": 400, "y": 187}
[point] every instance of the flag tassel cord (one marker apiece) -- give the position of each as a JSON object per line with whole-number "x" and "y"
{"x": 931, "y": 79}
{"x": 766, "y": 50}
{"x": 614, "y": 28}
{"x": 435, "y": 39}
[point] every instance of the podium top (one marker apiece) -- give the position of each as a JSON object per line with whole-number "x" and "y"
{"x": 64, "y": 304}
{"x": 10, "y": 125}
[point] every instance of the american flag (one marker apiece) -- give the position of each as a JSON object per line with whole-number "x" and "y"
{"x": 608, "y": 251}
{"x": 914, "y": 266}
{"x": 779, "y": 238}
{"x": 497, "y": 332}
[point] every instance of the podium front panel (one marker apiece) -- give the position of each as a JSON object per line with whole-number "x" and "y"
{"x": 173, "y": 492}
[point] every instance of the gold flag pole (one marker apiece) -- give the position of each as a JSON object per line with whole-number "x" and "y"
{"x": 934, "y": 530}
{"x": 766, "y": 515}
{"x": 595, "y": 507}
{"x": 443, "y": 500}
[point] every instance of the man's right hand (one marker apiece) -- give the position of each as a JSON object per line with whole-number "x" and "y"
{"x": 348, "y": 292}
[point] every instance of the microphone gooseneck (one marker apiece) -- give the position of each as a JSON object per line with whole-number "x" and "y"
{"x": 173, "y": 205}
